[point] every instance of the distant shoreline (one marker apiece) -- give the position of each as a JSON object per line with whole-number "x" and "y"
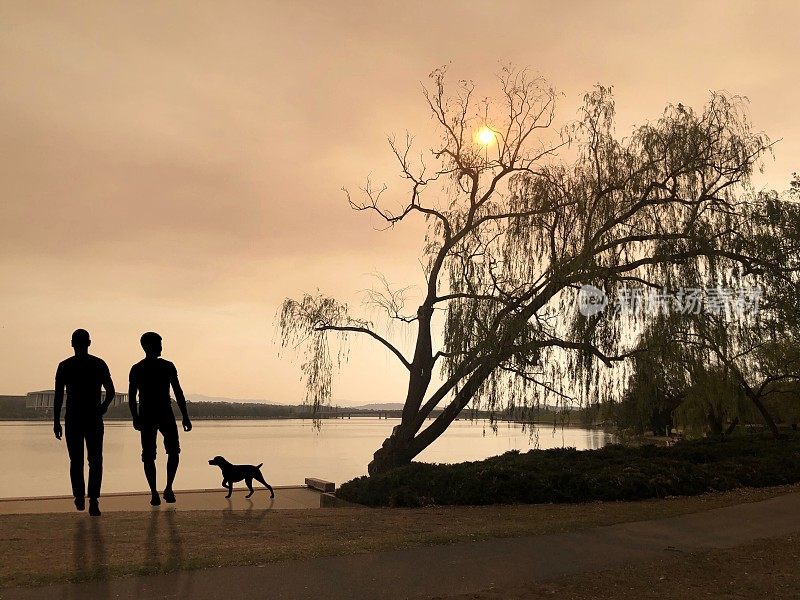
{"x": 13, "y": 408}
{"x": 499, "y": 421}
{"x": 46, "y": 419}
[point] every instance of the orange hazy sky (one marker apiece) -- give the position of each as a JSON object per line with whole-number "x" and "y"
{"x": 177, "y": 166}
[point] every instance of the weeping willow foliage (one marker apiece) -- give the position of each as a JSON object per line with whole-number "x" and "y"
{"x": 682, "y": 384}
{"x": 705, "y": 372}
{"x": 717, "y": 370}
{"x": 303, "y": 323}
{"x": 516, "y": 227}
{"x": 657, "y": 384}
{"x": 712, "y": 401}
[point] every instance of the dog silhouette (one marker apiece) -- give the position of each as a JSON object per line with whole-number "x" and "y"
{"x": 233, "y": 473}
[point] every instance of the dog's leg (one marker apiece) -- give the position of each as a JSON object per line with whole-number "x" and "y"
{"x": 230, "y": 489}
{"x": 260, "y": 478}
{"x": 249, "y": 482}
{"x": 224, "y": 484}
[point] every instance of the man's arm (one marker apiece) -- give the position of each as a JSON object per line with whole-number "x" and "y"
{"x": 58, "y": 401}
{"x": 132, "y": 391}
{"x": 108, "y": 384}
{"x": 180, "y": 399}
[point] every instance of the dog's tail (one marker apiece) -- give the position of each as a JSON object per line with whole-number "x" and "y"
{"x": 259, "y": 465}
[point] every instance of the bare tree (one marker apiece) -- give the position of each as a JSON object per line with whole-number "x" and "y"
{"x": 516, "y": 226}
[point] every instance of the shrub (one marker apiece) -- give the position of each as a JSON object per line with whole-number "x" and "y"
{"x": 614, "y": 472}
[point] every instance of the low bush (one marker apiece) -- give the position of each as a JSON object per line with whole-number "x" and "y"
{"x": 614, "y": 472}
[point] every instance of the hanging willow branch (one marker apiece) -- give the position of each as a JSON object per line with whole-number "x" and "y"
{"x": 309, "y": 323}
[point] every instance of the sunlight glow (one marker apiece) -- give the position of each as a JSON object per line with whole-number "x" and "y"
{"x": 485, "y": 136}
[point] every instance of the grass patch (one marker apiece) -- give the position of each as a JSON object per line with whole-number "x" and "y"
{"x": 53, "y": 548}
{"x": 614, "y": 472}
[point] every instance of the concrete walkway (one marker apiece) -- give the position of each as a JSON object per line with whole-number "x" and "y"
{"x": 286, "y": 497}
{"x": 458, "y": 568}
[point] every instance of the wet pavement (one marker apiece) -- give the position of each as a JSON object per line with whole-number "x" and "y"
{"x": 286, "y": 497}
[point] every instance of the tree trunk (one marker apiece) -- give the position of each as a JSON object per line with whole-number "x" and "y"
{"x": 400, "y": 448}
{"x": 764, "y": 413}
{"x": 755, "y": 398}
{"x": 421, "y": 368}
{"x": 403, "y": 451}
{"x": 395, "y": 451}
{"x": 714, "y": 423}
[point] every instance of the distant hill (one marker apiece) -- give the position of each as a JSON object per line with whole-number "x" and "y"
{"x": 204, "y": 398}
{"x": 334, "y": 403}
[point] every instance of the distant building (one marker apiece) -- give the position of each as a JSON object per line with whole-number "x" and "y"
{"x": 45, "y": 399}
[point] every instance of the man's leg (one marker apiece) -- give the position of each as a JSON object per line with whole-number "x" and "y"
{"x": 150, "y": 474}
{"x": 75, "y": 439}
{"x": 169, "y": 429}
{"x": 94, "y": 451}
{"x": 172, "y": 469}
{"x": 148, "y": 435}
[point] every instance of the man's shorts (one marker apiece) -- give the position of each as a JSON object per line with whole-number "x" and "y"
{"x": 168, "y": 427}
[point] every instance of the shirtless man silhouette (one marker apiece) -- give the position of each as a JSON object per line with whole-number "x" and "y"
{"x": 83, "y": 375}
{"x": 151, "y": 379}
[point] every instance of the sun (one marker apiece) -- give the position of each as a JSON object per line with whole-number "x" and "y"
{"x": 485, "y": 136}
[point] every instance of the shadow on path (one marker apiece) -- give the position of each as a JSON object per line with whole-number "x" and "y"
{"x": 89, "y": 561}
{"x": 164, "y": 552}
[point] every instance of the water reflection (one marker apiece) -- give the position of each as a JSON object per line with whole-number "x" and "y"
{"x": 597, "y": 439}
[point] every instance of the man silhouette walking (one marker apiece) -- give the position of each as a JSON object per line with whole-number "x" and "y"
{"x": 83, "y": 375}
{"x": 151, "y": 379}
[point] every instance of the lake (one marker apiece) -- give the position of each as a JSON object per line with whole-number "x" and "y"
{"x": 36, "y": 464}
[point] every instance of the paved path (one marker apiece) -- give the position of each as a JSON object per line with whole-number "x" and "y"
{"x": 286, "y": 497}
{"x": 458, "y": 568}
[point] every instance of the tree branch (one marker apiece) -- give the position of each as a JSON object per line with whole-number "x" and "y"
{"x": 370, "y": 333}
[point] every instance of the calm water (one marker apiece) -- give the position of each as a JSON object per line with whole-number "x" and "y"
{"x": 35, "y": 463}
